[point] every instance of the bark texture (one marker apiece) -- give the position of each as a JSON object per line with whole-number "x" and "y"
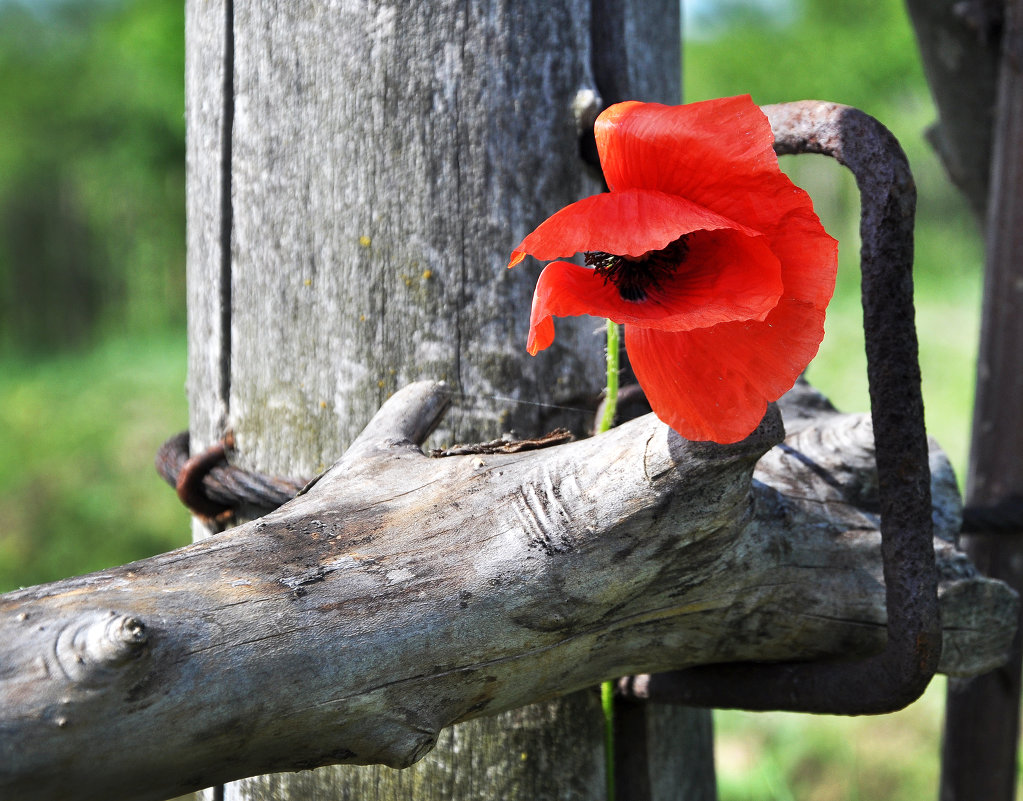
{"x": 401, "y": 594}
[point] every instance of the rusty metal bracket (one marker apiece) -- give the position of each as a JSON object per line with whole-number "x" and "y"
{"x": 899, "y": 674}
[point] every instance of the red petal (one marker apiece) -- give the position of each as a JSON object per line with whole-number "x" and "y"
{"x": 725, "y": 277}
{"x": 706, "y": 380}
{"x": 715, "y": 383}
{"x": 720, "y": 154}
{"x": 696, "y": 393}
{"x": 541, "y": 332}
{"x": 717, "y": 153}
{"x": 628, "y": 223}
{"x": 701, "y": 151}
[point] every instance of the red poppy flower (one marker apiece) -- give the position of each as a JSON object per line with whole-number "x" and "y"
{"x": 706, "y": 251}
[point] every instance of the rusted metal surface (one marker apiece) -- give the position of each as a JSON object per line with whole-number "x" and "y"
{"x": 189, "y": 481}
{"x": 1004, "y": 516}
{"x": 210, "y": 486}
{"x": 558, "y": 436}
{"x": 897, "y": 676}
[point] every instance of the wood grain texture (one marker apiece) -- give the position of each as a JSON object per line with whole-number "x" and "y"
{"x": 207, "y": 154}
{"x": 386, "y": 160}
{"x": 959, "y": 45}
{"x": 402, "y": 594}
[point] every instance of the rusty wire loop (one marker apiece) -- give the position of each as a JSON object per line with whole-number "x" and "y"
{"x": 899, "y": 674}
{"x": 211, "y": 487}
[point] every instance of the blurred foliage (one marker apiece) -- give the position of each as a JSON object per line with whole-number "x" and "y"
{"x": 78, "y": 491}
{"x": 785, "y": 757}
{"x": 92, "y": 171}
{"x": 92, "y": 275}
{"x": 841, "y": 50}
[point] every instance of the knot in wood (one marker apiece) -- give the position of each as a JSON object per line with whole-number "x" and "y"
{"x": 91, "y": 649}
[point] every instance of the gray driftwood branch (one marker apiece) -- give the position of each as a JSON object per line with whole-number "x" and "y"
{"x": 401, "y": 593}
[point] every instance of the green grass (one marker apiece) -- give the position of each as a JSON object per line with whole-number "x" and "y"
{"x": 780, "y": 757}
{"x": 78, "y": 491}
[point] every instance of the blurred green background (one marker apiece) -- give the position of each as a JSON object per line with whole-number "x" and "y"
{"x": 92, "y": 345}
{"x": 92, "y": 282}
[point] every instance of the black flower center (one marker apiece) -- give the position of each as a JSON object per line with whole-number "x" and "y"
{"x": 634, "y": 277}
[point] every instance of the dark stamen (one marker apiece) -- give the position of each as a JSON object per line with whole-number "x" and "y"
{"x": 634, "y": 277}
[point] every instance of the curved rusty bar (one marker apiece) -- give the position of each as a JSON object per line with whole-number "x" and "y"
{"x": 209, "y": 486}
{"x": 898, "y": 675}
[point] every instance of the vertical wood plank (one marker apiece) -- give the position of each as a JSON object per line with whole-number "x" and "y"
{"x": 208, "y": 113}
{"x": 680, "y": 753}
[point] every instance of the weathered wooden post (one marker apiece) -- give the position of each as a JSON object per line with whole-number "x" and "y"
{"x": 357, "y": 175}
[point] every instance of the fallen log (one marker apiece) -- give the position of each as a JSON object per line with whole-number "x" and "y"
{"x": 401, "y": 593}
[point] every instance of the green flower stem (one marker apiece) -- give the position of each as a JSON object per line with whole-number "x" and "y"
{"x": 607, "y": 701}
{"x": 611, "y": 392}
{"x": 607, "y": 688}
